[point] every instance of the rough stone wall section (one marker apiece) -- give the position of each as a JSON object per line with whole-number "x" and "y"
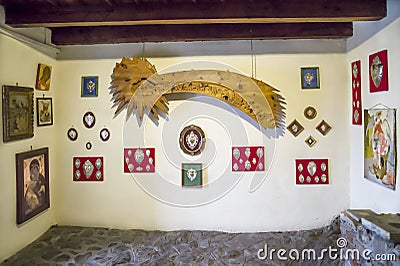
{"x": 358, "y": 237}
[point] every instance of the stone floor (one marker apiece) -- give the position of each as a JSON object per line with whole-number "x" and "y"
{"x": 69, "y": 245}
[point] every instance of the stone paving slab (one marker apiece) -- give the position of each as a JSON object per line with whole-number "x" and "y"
{"x": 71, "y": 245}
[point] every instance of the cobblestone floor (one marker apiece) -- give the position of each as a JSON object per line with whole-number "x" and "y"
{"x": 70, "y": 245}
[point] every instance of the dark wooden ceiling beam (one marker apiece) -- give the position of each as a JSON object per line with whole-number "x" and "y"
{"x": 193, "y": 12}
{"x": 171, "y": 33}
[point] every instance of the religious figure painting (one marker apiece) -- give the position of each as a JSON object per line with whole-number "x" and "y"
{"x": 380, "y": 146}
{"x": 17, "y": 113}
{"x": 44, "y": 111}
{"x": 43, "y": 77}
{"x": 33, "y": 196}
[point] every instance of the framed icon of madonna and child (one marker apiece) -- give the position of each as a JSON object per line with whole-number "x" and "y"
{"x": 33, "y": 195}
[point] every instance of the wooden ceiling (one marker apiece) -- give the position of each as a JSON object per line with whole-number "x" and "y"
{"x": 86, "y": 22}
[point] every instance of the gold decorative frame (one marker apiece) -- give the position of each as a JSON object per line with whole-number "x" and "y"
{"x": 323, "y": 127}
{"x": 295, "y": 128}
{"x": 310, "y": 141}
{"x": 17, "y": 113}
{"x": 310, "y": 112}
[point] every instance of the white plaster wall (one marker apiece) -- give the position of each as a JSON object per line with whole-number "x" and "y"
{"x": 18, "y": 64}
{"x": 277, "y": 205}
{"x": 366, "y": 194}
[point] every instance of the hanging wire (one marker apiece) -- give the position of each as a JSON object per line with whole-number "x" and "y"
{"x": 252, "y": 59}
{"x": 380, "y": 106}
{"x": 253, "y": 62}
{"x": 143, "y": 51}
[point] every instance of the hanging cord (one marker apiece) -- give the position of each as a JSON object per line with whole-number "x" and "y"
{"x": 143, "y": 51}
{"x": 253, "y": 62}
{"x": 380, "y": 106}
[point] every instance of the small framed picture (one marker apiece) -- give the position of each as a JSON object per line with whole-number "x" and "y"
{"x": 44, "y": 111}
{"x": 89, "y": 86}
{"x": 43, "y": 76}
{"x": 310, "y": 77}
{"x": 192, "y": 175}
{"x": 33, "y": 195}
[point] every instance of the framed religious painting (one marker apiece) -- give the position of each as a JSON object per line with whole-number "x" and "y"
{"x": 378, "y": 72}
{"x": 43, "y": 76}
{"x": 310, "y": 77}
{"x": 44, "y": 111}
{"x": 380, "y": 147}
{"x": 89, "y": 86}
{"x": 17, "y": 113}
{"x": 33, "y": 195}
{"x": 192, "y": 175}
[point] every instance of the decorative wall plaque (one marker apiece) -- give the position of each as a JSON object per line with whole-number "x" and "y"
{"x": 356, "y": 93}
{"x": 72, "y": 134}
{"x": 295, "y": 128}
{"x": 310, "y": 112}
{"x": 312, "y": 171}
{"x": 88, "y": 168}
{"x": 139, "y": 160}
{"x": 258, "y": 100}
{"x": 89, "y": 86}
{"x": 310, "y": 77}
{"x": 248, "y": 159}
{"x": 88, "y": 145}
{"x": 104, "y": 134}
{"x": 89, "y": 119}
{"x": 310, "y": 141}
{"x": 192, "y": 175}
{"x": 192, "y": 139}
{"x": 378, "y": 72}
{"x": 323, "y": 127}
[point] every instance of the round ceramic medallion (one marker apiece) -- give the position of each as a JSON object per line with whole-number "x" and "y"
{"x": 192, "y": 140}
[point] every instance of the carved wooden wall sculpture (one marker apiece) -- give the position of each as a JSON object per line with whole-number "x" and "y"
{"x": 136, "y": 83}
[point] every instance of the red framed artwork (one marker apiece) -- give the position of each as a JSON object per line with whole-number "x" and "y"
{"x": 378, "y": 72}
{"x": 356, "y": 93}
{"x": 88, "y": 168}
{"x": 312, "y": 172}
{"x": 248, "y": 158}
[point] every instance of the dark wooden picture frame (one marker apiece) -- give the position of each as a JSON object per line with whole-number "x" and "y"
{"x": 310, "y": 78}
{"x": 33, "y": 195}
{"x": 44, "y": 111}
{"x": 17, "y": 113}
{"x": 90, "y": 86}
{"x": 197, "y": 181}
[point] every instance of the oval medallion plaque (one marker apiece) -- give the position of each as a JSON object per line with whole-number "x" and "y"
{"x": 89, "y": 119}
{"x": 192, "y": 140}
{"x": 376, "y": 71}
